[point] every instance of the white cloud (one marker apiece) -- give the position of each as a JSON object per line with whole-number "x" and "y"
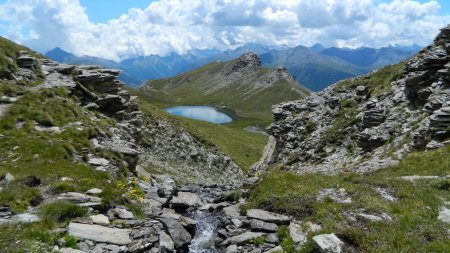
{"x": 180, "y": 25}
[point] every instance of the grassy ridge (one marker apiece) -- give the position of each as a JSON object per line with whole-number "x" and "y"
{"x": 9, "y": 51}
{"x": 200, "y": 87}
{"x": 378, "y": 82}
{"x": 414, "y": 228}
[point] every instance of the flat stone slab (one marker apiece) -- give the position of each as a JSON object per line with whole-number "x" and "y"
{"x": 21, "y": 218}
{"x": 444, "y": 215}
{"x": 242, "y": 238}
{"x": 76, "y": 197}
{"x": 416, "y": 177}
{"x": 329, "y": 243}
{"x": 3, "y": 110}
{"x": 258, "y": 225}
{"x": 232, "y": 211}
{"x": 371, "y": 217}
{"x": 99, "y": 219}
{"x": 268, "y": 216}
{"x": 100, "y": 233}
{"x": 70, "y": 250}
{"x": 97, "y": 161}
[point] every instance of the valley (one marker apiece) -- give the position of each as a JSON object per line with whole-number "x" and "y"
{"x": 88, "y": 164}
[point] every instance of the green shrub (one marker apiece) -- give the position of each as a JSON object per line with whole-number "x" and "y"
{"x": 285, "y": 238}
{"x": 18, "y": 196}
{"x": 62, "y": 186}
{"x": 61, "y": 211}
{"x": 258, "y": 240}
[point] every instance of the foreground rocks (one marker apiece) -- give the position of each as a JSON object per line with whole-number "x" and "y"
{"x": 205, "y": 222}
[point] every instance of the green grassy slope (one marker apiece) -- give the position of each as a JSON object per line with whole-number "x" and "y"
{"x": 194, "y": 88}
{"x": 243, "y": 147}
{"x": 414, "y": 228}
{"x": 26, "y": 152}
{"x": 378, "y": 81}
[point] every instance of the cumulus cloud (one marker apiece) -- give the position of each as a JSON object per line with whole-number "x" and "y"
{"x": 167, "y": 26}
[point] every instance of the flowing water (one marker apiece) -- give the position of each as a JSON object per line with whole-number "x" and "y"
{"x": 205, "y": 232}
{"x": 205, "y": 113}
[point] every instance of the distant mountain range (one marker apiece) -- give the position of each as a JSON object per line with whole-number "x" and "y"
{"x": 315, "y": 67}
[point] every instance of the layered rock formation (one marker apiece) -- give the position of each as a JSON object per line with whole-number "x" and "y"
{"x": 360, "y": 125}
{"x": 156, "y": 141}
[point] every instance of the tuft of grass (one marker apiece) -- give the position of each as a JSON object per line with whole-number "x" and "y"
{"x": 377, "y": 83}
{"x": 61, "y": 211}
{"x": 31, "y": 237}
{"x": 346, "y": 117}
{"x": 285, "y": 238}
{"x": 62, "y": 186}
{"x": 258, "y": 240}
{"x": 18, "y": 197}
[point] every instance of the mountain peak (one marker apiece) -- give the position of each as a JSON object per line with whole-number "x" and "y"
{"x": 249, "y": 60}
{"x": 317, "y": 48}
{"x": 59, "y": 55}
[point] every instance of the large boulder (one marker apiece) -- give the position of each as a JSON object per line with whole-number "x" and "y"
{"x": 166, "y": 244}
{"x": 179, "y": 234}
{"x": 268, "y": 216}
{"x": 184, "y": 200}
{"x": 27, "y": 62}
{"x": 258, "y": 225}
{"x": 111, "y": 104}
{"x": 328, "y": 243}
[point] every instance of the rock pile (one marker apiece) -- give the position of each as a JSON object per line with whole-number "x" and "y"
{"x": 188, "y": 218}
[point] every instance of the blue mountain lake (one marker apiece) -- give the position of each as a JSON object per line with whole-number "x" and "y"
{"x": 205, "y": 113}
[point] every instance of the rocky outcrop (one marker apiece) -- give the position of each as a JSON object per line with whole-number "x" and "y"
{"x": 149, "y": 140}
{"x": 361, "y": 125}
{"x": 174, "y": 151}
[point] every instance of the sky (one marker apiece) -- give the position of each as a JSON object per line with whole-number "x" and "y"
{"x": 121, "y": 29}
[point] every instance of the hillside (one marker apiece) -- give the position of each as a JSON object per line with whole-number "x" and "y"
{"x": 314, "y": 70}
{"x": 241, "y": 85}
{"x": 74, "y": 144}
{"x": 367, "y": 160}
{"x": 370, "y": 58}
{"x": 387, "y": 113}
